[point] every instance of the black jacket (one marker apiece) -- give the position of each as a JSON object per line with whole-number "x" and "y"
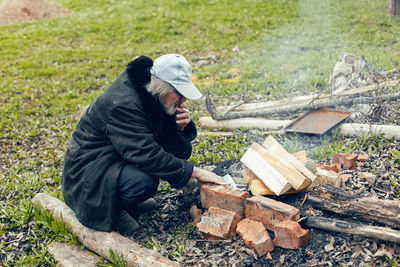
{"x": 124, "y": 125}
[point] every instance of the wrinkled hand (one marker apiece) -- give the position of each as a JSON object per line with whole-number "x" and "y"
{"x": 207, "y": 176}
{"x": 182, "y": 117}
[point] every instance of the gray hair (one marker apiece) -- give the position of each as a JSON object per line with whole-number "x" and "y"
{"x": 159, "y": 88}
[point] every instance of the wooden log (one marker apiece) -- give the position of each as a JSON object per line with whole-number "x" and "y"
{"x": 245, "y": 123}
{"x": 297, "y": 180}
{"x": 101, "y": 242}
{"x": 257, "y": 187}
{"x": 301, "y": 156}
{"x": 276, "y": 149}
{"x": 302, "y": 99}
{"x": 382, "y": 233}
{"x": 328, "y": 177}
{"x": 335, "y": 200}
{"x": 257, "y": 163}
{"x": 72, "y": 256}
{"x": 347, "y": 129}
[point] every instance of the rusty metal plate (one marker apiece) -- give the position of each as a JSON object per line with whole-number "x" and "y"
{"x": 317, "y": 121}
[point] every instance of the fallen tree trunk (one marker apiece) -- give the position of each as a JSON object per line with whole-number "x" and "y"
{"x": 347, "y": 129}
{"x": 335, "y": 200}
{"x": 318, "y": 103}
{"x": 72, "y": 256}
{"x": 382, "y": 233}
{"x": 305, "y": 99}
{"x": 101, "y": 242}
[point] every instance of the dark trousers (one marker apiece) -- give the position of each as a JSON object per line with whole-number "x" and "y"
{"x": 135, "y": 186}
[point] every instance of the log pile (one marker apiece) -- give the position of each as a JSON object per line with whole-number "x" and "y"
{"x": 271, "y": 170}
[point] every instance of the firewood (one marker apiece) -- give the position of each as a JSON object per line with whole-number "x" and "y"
{"x": 335, "y": 200}
{"x": 305, "y": 99}
{"x": 347, "y": 129}
{"x": 382, "y": 233}
{"x": 101, "y": 242}
{"x": 296, "y": 107}
{"x": 275, "y": 148}
{"x": 257, "y": 163}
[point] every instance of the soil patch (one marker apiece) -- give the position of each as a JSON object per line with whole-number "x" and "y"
{"x": 14, "y": 11}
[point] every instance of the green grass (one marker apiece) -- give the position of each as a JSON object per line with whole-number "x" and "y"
{"x": 50, "y": 70}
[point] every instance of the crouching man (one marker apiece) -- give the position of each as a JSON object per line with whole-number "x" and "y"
{"x": 137, "y": 131}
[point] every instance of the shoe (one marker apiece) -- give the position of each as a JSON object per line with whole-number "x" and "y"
{"x": 125, "y": 224}
{"x": 146, "y": 206}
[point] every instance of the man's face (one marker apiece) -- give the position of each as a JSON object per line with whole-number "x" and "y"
{"x": 171, "y": 101}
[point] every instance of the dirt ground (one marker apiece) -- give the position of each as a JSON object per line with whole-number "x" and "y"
{"x": 14, "y": 11}
{"x": 324, "y": 248}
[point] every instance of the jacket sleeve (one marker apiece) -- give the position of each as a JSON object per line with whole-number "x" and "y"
{"x": 127, "y": 129}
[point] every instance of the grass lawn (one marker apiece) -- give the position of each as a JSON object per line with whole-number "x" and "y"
{"x": 50, "y": 70}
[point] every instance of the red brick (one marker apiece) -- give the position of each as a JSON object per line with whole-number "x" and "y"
{"x": 289, "y": 234}
{"x": 336, "y": 167}
{"x": 255, "y": 236}
{"x": 350, "y": 162}
{"x": 363, "y": 157}
{"x": 219, "y": 223}
{"x": 224, "y": 197}
{"x": 339, "y": 158}
{"x": 269, "y": 212}
{"x": 347, "y": 161}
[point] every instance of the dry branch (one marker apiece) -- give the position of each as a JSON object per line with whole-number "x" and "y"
{"x": 335, "y": 200}
{"x": 333, "y": 225}
{"x": 101, "y": 242}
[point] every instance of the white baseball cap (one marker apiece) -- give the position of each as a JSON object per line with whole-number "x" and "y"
{"x": 175, "y": 70}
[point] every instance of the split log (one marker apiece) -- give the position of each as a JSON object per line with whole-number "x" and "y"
{"x": 382, "y": 233}
{"x": 347, "y": 129}
{"x": 101, "y": 242}
{"x": 258, "y": 164}
{"x": 335, "y": 200}
{"x": 277, "y": 149}
{"x": 72, "y": 256}
{"x": 304, "y": 99}
{"x": 316, "y": 104}
{"x": 257, "y": 187}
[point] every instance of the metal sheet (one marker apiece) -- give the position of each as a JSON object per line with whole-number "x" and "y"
{"x": 317, "y": 121}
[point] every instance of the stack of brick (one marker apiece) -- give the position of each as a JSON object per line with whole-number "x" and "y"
{"x": 226, "y": 208}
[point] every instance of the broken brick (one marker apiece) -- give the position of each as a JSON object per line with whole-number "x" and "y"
{"x": 347, "y": 161}
{"x": 269, "y": 212}
{"x": 219, "y": 223}
{"x": 371, "y": 178}
{"x": 363, "y": 157}
{"x": 289, "y": 234}
{"x": 345, "y": 177}
{"x": 336, "y": 167}
{"x": 223, "y": 197}
{"x": 328, "y": 177}
{"x": 255, "y": 236}
{"x": 350, "y": 162}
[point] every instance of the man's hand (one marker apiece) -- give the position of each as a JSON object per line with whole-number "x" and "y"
{"x": 207, "y": 176}
{"x": 182, "y": 116}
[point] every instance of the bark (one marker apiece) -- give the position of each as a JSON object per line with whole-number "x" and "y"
{"x": 393, "y": 7}
{"x": 72, "y": 256}
{"x": 333, "y": 225}
{"x": 335, "y": 200}
{"x": 101, "y": 242}
{"x": 317, "y": 103}
{"x": 347, "y": 129}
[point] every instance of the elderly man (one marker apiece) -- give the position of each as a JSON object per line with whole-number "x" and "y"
{"x": 137, "y": 131}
